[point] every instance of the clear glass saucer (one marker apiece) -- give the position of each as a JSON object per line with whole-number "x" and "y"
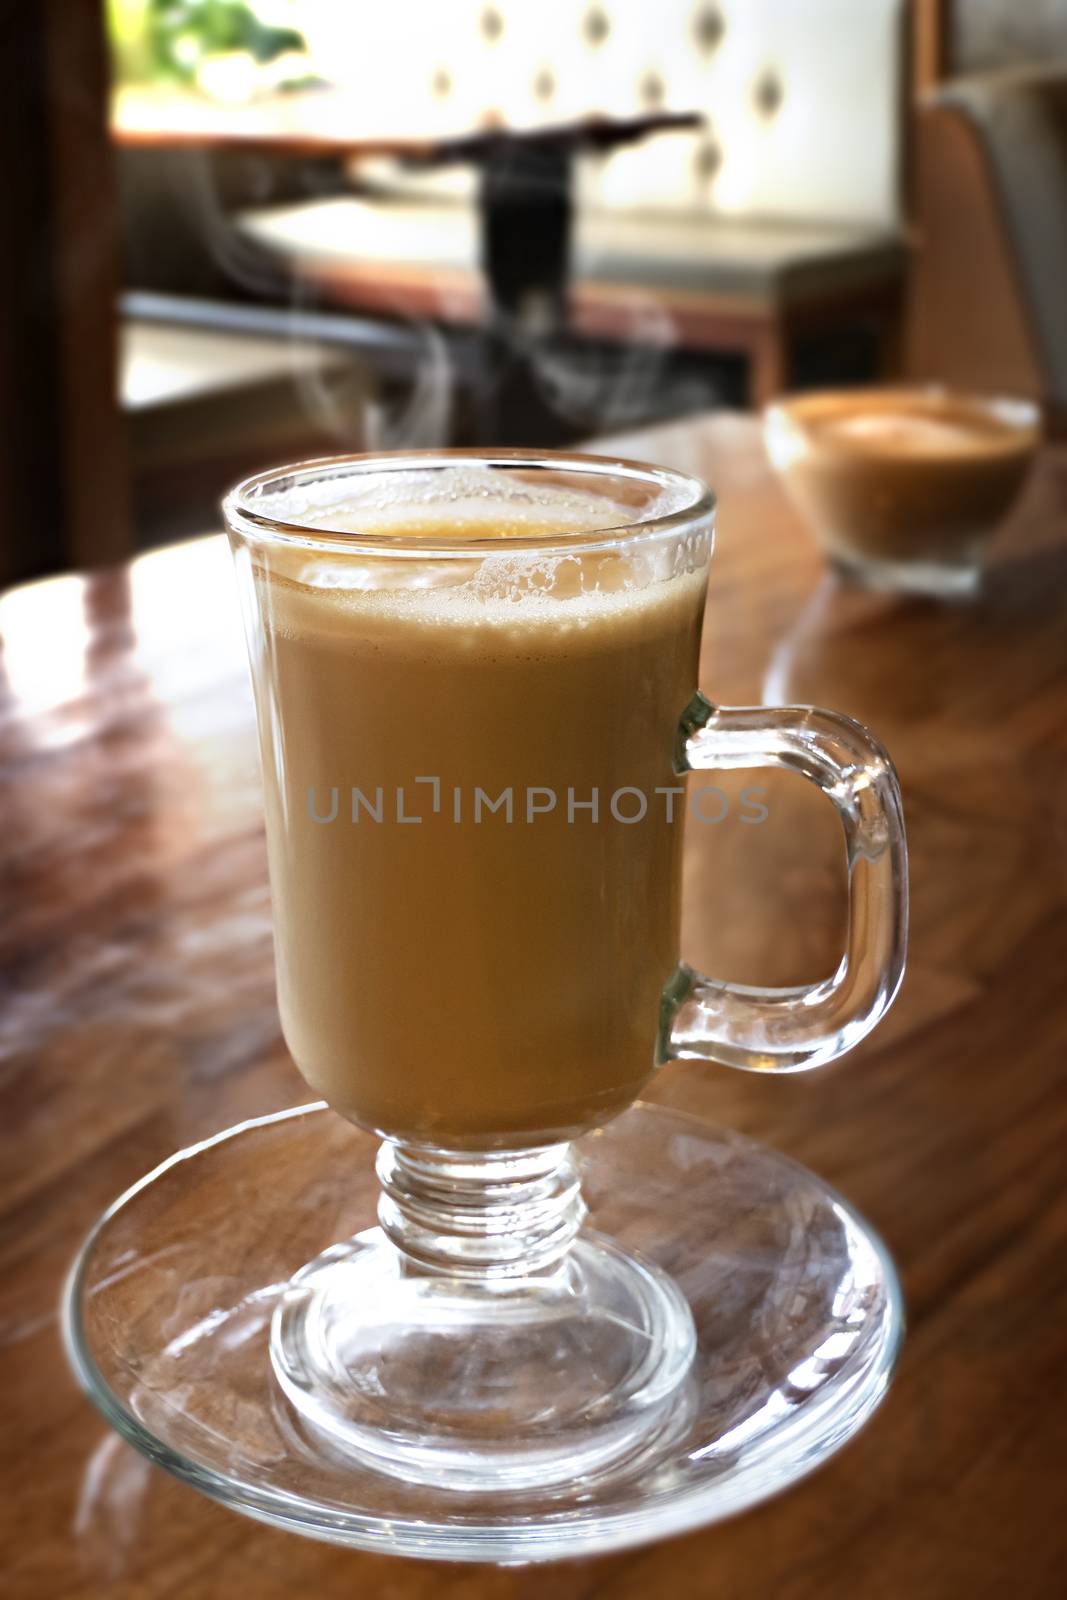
{"x": 795, "y": 1301}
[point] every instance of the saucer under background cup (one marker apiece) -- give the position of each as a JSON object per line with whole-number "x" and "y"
{"x": 795, "y": 1301}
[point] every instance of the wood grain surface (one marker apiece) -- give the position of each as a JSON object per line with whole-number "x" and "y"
{"x": 139, "y": 1015}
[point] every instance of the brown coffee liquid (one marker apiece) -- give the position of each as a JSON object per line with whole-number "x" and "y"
{"x": 472, "y": 983}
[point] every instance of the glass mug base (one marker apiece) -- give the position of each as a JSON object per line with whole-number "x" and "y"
{"x": 491, "y": 1387}
{"x": 797, "y": 1314}
{"x": 937, "y": 580}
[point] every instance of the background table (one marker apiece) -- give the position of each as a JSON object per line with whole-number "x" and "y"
{"x": 139, "y": 1015}
{"x": 753, "y": 287}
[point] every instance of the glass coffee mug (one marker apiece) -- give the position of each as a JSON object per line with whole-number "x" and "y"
{"x": 475, "y": 684}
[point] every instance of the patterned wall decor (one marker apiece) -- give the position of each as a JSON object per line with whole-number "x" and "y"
{"x": 802, "y": 96}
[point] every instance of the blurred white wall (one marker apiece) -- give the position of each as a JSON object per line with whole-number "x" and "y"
{"x": 803, "y": 98}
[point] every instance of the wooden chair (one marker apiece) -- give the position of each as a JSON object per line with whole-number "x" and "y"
{"x": 990, "y": 306}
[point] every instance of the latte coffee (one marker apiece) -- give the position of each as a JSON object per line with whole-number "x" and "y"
{"x": 892, "y": 478}
{"x": 474, "y": 853}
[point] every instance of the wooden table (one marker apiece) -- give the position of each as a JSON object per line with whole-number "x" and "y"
{"x": 140, "y": 1015}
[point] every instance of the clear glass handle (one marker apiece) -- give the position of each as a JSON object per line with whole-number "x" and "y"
{"x": 790, "y": 1030}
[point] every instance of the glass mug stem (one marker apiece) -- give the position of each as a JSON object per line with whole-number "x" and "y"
{"x": 487, "y": 1217}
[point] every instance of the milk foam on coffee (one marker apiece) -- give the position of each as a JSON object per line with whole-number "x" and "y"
{"x": 460, "y": 980}
{"x": 910, "y": 433}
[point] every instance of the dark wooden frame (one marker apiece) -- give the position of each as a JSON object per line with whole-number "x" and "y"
{"x": 929, "y": 43}
{"x": 62, "y": 449}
